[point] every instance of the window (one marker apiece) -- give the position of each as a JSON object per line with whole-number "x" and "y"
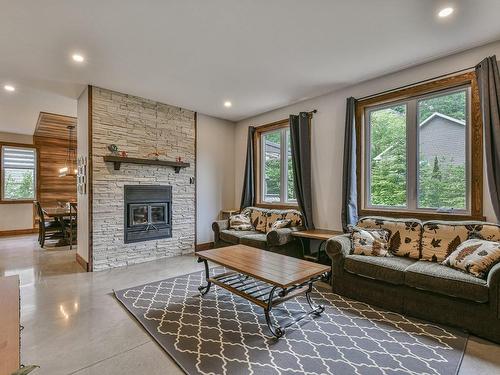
{"x": 418, "y": 152}
{"x": 275, "y": 171}
{"x": 18, "y": 173}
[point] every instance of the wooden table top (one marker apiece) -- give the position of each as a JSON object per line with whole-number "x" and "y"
{"x": 9, "y": 323}
{"x": 317, "y": 234}
{"x": 276, "y": 269}
{"x": 58, "y": 212}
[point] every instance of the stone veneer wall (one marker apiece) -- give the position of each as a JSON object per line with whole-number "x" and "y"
{"x": 137, "y": 126}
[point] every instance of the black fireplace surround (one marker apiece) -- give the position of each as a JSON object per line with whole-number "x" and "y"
{"x": 147, "y": 212}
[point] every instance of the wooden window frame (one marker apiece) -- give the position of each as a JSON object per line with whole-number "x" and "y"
{"x": 475, "y": 144}
{"x": 37, "y": 165}
{"x": 257, "y": 141}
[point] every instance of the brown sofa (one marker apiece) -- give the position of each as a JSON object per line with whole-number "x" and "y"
{"x": 279, "y": 240}
{"x": 416, "y": 283}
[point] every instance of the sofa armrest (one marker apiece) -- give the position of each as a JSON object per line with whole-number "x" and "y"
{"x": 493, "y": 282}
{"x": 282, "y": 236}
{"x": 338, "y": 247}
{"x": 218, "y": 226}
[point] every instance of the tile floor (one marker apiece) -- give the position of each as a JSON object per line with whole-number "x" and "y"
{"x": 73, "y": 324}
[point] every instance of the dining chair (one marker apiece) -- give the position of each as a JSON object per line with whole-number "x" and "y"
{"x": 72, "y": 228}
{"x": 46, "y": 229}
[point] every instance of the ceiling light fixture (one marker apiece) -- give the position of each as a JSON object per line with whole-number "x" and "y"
{"x": 445, "y": 12}
{"x": 78, "y": 58}
{"x": 228, "y": 104}
{"x": 9, "y": 88}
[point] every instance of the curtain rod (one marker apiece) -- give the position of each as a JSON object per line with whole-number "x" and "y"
{"x": 415, "y": 83}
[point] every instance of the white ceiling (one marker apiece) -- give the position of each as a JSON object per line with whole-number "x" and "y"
{"x": 260, "y": 54}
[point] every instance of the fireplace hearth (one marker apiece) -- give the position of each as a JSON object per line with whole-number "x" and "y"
{"x": 147, "y": 212}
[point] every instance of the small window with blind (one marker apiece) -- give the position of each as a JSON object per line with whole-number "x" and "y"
{"x": 18, "y": 173}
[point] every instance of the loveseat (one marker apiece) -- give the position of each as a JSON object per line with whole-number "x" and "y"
{"x": 414, "y": 281}
{"x": 262, "y": 235}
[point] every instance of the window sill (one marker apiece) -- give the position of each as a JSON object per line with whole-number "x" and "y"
{"x": 420, "y": 215}
{"x": 24, "y": 201}
{"x": 278, "y": 206}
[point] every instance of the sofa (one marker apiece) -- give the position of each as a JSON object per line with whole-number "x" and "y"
{"x": 262, "y": 235}
{"x": 414, "y": 281}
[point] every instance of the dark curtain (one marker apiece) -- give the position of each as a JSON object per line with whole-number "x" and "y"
{"x": 301, "y": 164}
{"x": 488, "y": 80}
{"x": 248, "y": 194}
{"x": 349, "y": 188}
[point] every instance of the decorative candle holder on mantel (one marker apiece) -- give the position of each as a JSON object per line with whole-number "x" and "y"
{"x": 118, "y": 160}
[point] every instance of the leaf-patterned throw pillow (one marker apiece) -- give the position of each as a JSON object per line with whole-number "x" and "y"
{"x": 258, "y": 218}
{"x": 441, "y": 238}
{"x": 475, "y": 256}
{"x": 405, "y": 234}
{"x": 370, "y": 242}
{"x": 240, "y": 222}
{"x": 278, "y": 224}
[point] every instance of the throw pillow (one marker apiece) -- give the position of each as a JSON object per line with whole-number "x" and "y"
{"x": 240, "y": 222}
{"x": 278, "y": 224}
{"x": 258, "y": 219}
{"x": 405, "y": 234}
{"x": 475, "y": 256}
{"x": 371, "y": 242}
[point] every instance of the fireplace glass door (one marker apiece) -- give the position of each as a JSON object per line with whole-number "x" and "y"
{"x": 158, "y": 213}
{"x": 138, "y": 214}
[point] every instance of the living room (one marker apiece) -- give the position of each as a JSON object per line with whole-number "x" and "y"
{"x": 331, "y": 208}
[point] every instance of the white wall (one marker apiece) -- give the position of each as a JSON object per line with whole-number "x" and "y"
{"x": 328, "y": 131}
{"x": 214, "y": 172}
{"x": 16, "y": 215}
{"x": 83, "y": 150}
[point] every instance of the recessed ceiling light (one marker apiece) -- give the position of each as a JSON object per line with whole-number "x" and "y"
{"x": 9, "y": 88}
{"x": 78, "y": 58}
{"x": 445, "y": 12}
{"x": 228, "y": 104}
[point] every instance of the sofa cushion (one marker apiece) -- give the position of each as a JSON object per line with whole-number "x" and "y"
{"x": 435, "y": 277}
{"x": 240, "y": 222}
{"x": 389, "y": 269}
{"x": 258, "y": 217}
{"x": 234, "y": 236}
{"x": 370, "y": 242}
{"x": 258, "y": 240}
{"x": 405, "y": 234}
{"x": 475, "y": 257}
{"x": 441, "y": 238}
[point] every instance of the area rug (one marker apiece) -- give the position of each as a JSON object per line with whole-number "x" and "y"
{"x": 221, "y": 333}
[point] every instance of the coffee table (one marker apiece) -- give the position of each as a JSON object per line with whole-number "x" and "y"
{"x": 264, "y": 278}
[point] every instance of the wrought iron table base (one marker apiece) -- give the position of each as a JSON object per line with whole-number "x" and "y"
{"x": 265, "y": 295}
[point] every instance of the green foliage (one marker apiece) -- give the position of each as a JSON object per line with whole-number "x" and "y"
{"x": 23, "y": 189}
{"x": 442, "y": 185}
{"x": 452, "y": 105}
{"x": 388, "y": 173}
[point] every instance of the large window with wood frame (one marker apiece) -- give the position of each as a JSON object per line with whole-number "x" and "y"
{"x": 418, "y": 151}
{"x": 18, "y": 173}
{"x": 275, "y": 184}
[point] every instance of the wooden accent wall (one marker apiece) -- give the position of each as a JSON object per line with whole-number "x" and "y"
{"x": 51, "y": 138}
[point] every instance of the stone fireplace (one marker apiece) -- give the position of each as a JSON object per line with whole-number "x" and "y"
{"x": 141, "y": 212}
{"x": 148, "y": 213}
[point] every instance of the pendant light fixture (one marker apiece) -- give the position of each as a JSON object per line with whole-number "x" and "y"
{"x": 69, "y": 168}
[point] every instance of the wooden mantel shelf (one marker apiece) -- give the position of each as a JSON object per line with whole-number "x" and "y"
{"x": 118, "y": 160}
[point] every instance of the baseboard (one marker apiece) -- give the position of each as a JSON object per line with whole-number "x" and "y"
{"x": 17, "y": 232}
{"x": 204, "y": 246}
{"x": 82, "y": 262}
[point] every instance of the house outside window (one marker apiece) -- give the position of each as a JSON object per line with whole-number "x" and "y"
{"x": 18, "y": 173}
{"x": 419, "y": 153}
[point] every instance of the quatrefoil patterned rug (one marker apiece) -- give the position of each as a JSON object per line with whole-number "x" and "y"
{"x": 221, "y": 333}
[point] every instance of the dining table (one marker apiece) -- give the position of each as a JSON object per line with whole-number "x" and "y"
{"x": 59, "y": 214}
